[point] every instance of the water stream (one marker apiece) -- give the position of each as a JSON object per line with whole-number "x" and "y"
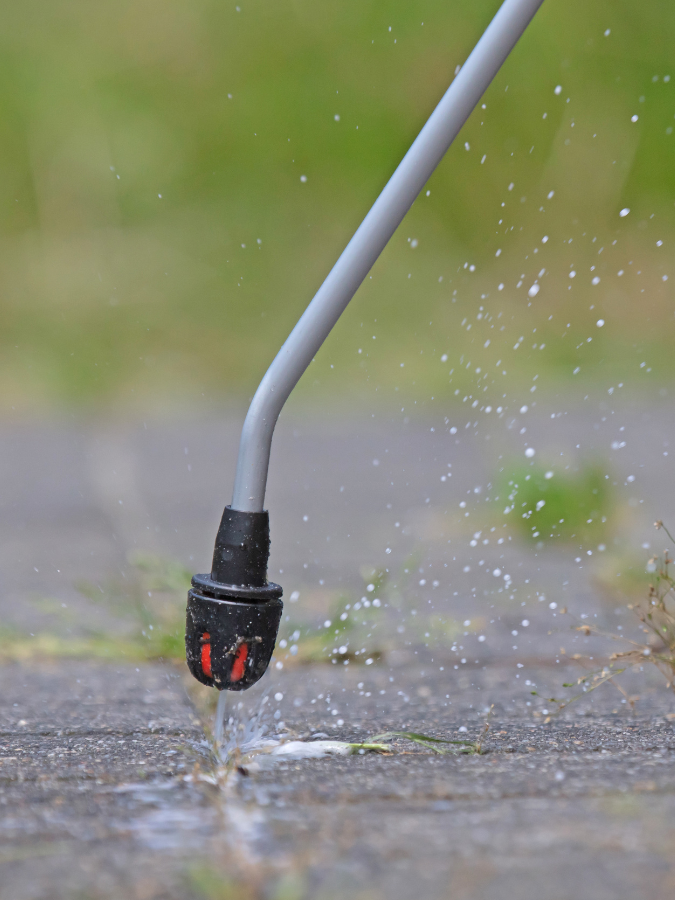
{"x": 242, "y": 726}
{"x": 241, "y": 732}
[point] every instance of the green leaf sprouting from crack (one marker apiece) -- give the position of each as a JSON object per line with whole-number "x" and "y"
{"x": 431, "y": 743}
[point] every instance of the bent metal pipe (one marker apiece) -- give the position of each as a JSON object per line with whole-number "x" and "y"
{"x": 368, "y": 242}
{"x": 233, "y": 613}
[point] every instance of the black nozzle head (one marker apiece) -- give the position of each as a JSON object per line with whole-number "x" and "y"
{"x": 229, "y": 643}
{"x": 233, "y": 614}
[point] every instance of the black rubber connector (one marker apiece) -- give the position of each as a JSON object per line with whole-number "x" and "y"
{"x": 233, "y": 614}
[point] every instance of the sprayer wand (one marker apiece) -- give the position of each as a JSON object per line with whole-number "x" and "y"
{"x": 233, "y": 614}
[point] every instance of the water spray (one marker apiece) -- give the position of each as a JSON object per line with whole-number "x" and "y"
{"x": 233, "y": 613}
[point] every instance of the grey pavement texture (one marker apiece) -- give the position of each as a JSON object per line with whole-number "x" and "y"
{"x": 87, "y": 753}
{"x": 94, "y": 801}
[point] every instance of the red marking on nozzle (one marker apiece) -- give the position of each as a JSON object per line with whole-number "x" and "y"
{"x": 206, "y": 655}
{"x": 239, "y": 663}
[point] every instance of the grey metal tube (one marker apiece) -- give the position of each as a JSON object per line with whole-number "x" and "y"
{"x": 368, "y": 242}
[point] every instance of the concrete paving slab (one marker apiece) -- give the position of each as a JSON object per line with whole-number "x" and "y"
{"x": 94, "y": 800}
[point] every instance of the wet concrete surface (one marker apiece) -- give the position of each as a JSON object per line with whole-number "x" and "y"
{"x": 548, "y": 809}
{"x": 95, "y": 802}
{"x": 100, "y": 762}
{"x": 92, "y": 802}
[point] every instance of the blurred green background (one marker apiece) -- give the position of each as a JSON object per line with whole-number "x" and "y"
{"x": 176, "y": 179}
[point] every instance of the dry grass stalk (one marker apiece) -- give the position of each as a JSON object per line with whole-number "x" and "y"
{"x": 656, "y": 613}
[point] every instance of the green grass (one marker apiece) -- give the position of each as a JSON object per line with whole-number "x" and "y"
{"x": 441, "y": 746}
{"x": 111, "y": 294}
{"x": 365, "y": 624}
{"x": 152, "y": 602}
{"x": 149, "y": 603}
{"x": 262, "y": 882}
{"x": 548, "y": 505}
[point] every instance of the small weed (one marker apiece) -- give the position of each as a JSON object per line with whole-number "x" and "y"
{"x": 209, "y": 884}
{"x": 440, "y": 745}
{"x": 152, "y": 597}
{"x": 440, "y": 631}
{"x": 365, "y": 626}
{"x": 437, "y": 745}
{"x": 349, "y": 636}
{"x": 17, "y": 647}
{"x": 344, "y": 639}
{"x": 259, "y": 883}
{"x": 656, "y": 615}
{"x": 547, "y": 504}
